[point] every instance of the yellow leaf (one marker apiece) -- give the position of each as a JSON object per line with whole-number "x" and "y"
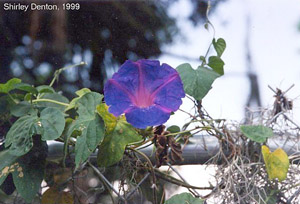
{"x": 277, "y": 163}
{"x": 53, "y": 196}
{"x": 109, "y": 119}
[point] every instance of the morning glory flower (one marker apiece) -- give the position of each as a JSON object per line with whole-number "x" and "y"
{"x": 145, "y": 91}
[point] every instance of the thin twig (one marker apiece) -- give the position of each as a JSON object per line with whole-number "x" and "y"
{"x": 105, "y": 181}
{"x": 272, "y": 89}
{"x": 178, "y": 174}
{"x": 136, "y": 187}
{"x": 173, "y": 180}
{"x": 288, "y": 89}
{"x": 152, "y": 172}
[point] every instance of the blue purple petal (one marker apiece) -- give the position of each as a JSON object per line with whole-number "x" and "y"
{"x": 169, "y": 95}
{"x": 153, "y": 74}
{"x": 150, "y": 116}
{"x": 116, "y": 97}
{"x": 128, "y": 76}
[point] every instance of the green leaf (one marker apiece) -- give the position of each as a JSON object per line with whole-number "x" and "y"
{"x": 3, "y": 176}
{"x": 53, "y": 123}
{"x": 197, "y": 82}
{"x": 92, "y": 133}
{"x": 5, "y": 104}
{"x": 22, "y": 108}
{"x": 173, "y": 129}
{"x": 45, "y": 89}
{"x": 82, "y": 92}
{"x": 9, "y": 85}
{"x": 79, "y": 93}
{"x": 29, "y": 174}
{"x": 26, "y": 87}
{"x": 217, "y": 64}
{"x": 219, "y": 46}
{"x": 120, "y": 134}
{"x": 19, "y": 136}
{"x": 257, "y": 133}
{"x": 6, "y": 164}
{"x": 184, "y": 198}
{"x": 277, "y": 163}
{"x": 87, "y": 105}
{"x": 56, "y": 97}
{"x": 28, "y": 97}
{"x": 6, "y": 159}
{"x": 17, "y": 96}
{"x": 89, "y": 124}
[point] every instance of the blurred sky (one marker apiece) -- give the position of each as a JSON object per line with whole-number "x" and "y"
{"x": 274, "y": 46}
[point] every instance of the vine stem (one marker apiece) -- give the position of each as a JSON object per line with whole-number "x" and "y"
{"x": 57, "y": 73}
{"x": 179, "y": 175}
{"x": 51, "y": 101}
{"x": 151, "y": 169}
{"x": 137, "y": 186}
{"x": 137, "y": 145}
{"x": 173, "y": 180}
{"x": 214, "y": 31}
{"x": 185, "y": 131}
{"x": 106, "y": 182}
{"x": 10, "y": 96}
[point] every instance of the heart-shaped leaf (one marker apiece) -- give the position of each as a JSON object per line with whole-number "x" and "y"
{"x": 184, "y": 198}
{"x": 173, "y": 129}
{"x": 196, "y": 82}
{"x": 109, "y": 119}
{"x": 19, "y": 136}
{"x": 45, "y": 89}
{"x": 89, "y": 124}
{"x": 217, "y": 64}
{"x": 29, "y": 173}
{"x": 118, "y": 135}
{"x": 53, "y": 123}
{"x": 50, "y": 126}
{"x": 22, "y": 108}
{"x": 277, "y": 163}
{"x": 26, "y": 87}
{"x": 9, "y": 85}
{"x": 257, "y": 133}
{"x": 219, "y": 46}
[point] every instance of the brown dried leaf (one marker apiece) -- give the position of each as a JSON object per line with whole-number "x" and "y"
{"x": 161, "y": 154}
{"x": 176, "y": 152}
{"x": 54, "y": 196}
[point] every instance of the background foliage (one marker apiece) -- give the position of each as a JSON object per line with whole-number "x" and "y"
{"x": 35, "y": 44}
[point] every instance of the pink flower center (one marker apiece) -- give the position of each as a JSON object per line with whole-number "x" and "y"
{"x": 143, "y": 98}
